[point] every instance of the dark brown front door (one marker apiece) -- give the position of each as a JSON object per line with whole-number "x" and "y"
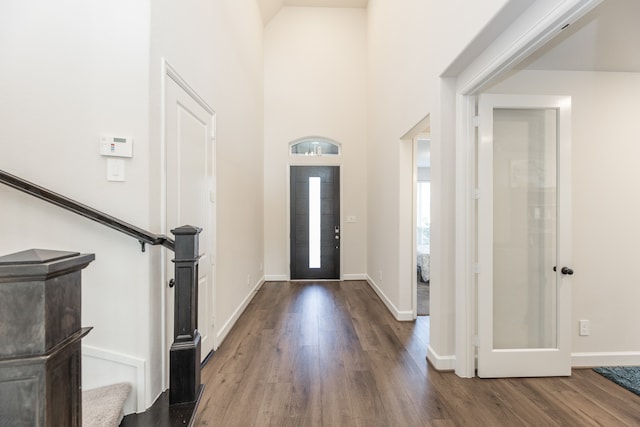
{"x": 315, "y": 222}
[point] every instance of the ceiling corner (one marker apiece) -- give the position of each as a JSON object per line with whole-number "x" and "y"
{"x": 269, "y": 9}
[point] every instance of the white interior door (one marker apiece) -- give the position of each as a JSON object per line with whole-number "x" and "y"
{"x": 524, "y": 209}
{"x": 189, "y": 196}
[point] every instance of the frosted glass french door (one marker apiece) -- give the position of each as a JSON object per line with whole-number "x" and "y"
{"x": 524, "y": 294}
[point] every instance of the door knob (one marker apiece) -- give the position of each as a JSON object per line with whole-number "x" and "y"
{"x": 566, "y": 270}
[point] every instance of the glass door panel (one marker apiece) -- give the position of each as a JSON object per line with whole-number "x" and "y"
{"x": 524, "y": 228}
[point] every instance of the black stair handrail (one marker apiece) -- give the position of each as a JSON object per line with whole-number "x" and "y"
{"x": 143, "y": 236}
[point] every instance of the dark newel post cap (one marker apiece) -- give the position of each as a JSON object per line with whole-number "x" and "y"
{"x": 187, "y": 244}
{"x": 42, "y": 263}
{"x": 36, "y": 256}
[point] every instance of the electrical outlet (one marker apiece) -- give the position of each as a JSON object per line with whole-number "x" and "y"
{"x": 248, "y": 279}
{"x": 261, "y": 267}
{"x": 585, "y": 329}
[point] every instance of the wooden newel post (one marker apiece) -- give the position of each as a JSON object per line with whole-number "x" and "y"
{"x": 184, "y": 357}
{"x": 40, "y": 334}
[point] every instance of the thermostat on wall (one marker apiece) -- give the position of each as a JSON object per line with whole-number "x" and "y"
{"x": 116, "y": 146}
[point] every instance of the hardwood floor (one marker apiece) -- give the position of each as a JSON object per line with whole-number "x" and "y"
{"x": 330, "y": 354}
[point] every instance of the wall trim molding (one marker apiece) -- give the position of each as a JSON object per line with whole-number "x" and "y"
{"x": 285, "y": 277}
{"x": 354, "y": 277}
{"x": 276, "y": 278}
{"x": 402, "y": 316}
{"x": 441, "y": 363}
{"x": 139, "y": 387}
{"x": 605, "y": 358}
{"x": 226, "y": 328}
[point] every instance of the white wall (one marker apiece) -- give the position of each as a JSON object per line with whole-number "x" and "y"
{"x": 410, "y": 44}
{"x": 315, "y": 85}
{"x": 605, "y": 228}
{"x": 217, "y": 48}
{"x": 76, "y": 70}
{"x": 72, "y": 71}
{"x": 237, "y": 77}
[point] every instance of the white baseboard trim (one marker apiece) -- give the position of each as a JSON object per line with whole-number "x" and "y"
{"x": 595, "y": 359}
{"x": 441, "y": 363}
{"x": 276, "y": 278}
{"x": 402, "y": 316}
{"x": 354, "y": 277}
{"x": 285, "y": 277}
{"x": 102, "y": 367}
{"x": 226, "y": 328}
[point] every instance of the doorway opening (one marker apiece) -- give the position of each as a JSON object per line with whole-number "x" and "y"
{"x": 417, "y": 196}
{"x": 423, "y": 224}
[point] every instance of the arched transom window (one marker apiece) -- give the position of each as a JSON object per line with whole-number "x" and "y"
{"x": 314, "y": 146}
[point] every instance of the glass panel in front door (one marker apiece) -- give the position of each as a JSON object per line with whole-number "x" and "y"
{"x": 524, "y": 228}
{"x": 315, "y": 206}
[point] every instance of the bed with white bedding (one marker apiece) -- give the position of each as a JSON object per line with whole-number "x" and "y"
{"x": 423, "y": 263}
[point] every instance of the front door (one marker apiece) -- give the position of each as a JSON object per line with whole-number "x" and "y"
{"x": 189, "y": 196}
{"x": 524, "y": 208}
{"x": 315, "y": 222}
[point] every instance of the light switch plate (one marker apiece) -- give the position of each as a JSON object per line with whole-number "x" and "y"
{"x": 115, "y": 169}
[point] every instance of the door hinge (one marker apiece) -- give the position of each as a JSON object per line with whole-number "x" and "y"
{"x": 476, "y": 194}
{"x": 476, "y": 121}
{"x": 476, "y": 341}
{"x": 476, "y": 268}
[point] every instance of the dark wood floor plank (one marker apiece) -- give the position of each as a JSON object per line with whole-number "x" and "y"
{"x": 330, "y": 354}
{"x": 618, "y": 404}
{"x": 524, "y": 408}
{"x": 275, "y": 405}
{"x": 368, "y": 408}
{"x": 306, "y": 397}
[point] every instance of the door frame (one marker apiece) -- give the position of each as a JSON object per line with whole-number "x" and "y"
{"x": 169, "y": 72}
{"x": 421, "y": 130}
{"x": 315, "y": 161}
{"x": 536, "y": 26}
{"x": 422, "y": 136}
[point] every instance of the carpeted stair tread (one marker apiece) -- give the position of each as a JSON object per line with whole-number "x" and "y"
{"x": 102, "y": 406}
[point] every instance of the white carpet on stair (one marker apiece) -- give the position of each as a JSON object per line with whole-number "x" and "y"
{"x": 102, "y": 406}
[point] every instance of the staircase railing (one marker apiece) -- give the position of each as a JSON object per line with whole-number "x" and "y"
{"x": 184, "y": 371}
{"x": 143, "y": 236}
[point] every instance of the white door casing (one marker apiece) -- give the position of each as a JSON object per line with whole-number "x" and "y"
{"x": 524, "y": 232}
{"x": 524, "y": 36}
{"x": 190, "y": 188}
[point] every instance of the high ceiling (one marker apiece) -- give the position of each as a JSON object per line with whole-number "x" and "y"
{"x": 606, "y": 39}
{"x": 270, "y": 8}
